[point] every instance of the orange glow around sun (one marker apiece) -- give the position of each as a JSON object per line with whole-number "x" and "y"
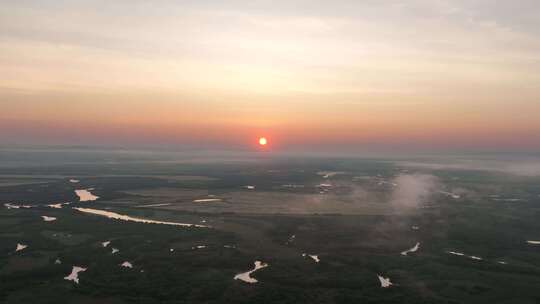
{"x": 262, "y": 141}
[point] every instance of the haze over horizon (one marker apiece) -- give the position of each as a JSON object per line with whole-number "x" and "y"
{"x": 344, "y": 76}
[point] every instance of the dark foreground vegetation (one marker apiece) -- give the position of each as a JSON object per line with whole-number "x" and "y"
{"x": 492, "y": 219}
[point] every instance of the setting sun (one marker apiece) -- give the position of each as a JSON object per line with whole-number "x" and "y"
{"x": 262, "y": 141}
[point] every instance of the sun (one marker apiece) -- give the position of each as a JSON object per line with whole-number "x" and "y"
{"x": 262, "y": 141}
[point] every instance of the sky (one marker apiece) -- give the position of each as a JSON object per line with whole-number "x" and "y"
{"x": 313, "y": 75}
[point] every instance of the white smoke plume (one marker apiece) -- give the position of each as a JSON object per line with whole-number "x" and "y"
{"x": 412, "y": 190}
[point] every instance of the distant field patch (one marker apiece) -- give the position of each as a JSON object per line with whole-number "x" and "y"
{"x": 169, "y": 177}
{"x": 286, "y": 203}
{"x": 179, "y": 193}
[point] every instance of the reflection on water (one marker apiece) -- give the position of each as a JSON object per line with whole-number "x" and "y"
{"x": 312, "y": 256}
{"x": 414, "y": 249}
{"x": 207, "y": 200}
{"x": 20, "y": 247}
{"x": 117, "y": 216}
{"x": 385, "y": 282}
{"x": 245, "y": 276}
{"x": 74, "y": 275}
{"x": 48, "y": 218}
{"x": 85, "y": 195}
{"x": 463, "y": 254}
{"x": 57, "y": 206}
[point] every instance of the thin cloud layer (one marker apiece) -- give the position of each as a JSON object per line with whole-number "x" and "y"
{"x": 529, "y": 168}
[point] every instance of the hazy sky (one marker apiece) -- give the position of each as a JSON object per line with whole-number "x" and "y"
{"x": 352, "y": 74}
